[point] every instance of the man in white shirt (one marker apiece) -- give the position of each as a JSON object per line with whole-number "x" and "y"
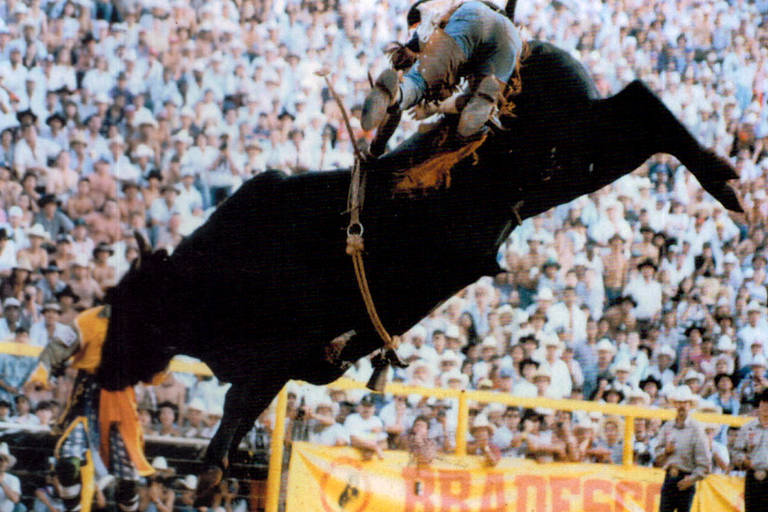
{"x": 561, "y": 383}
{"x": 755, "y": 329}
{"x": 323, "y": 428}
{"x": 7, "y": 253}
{"x": 31, "y": 153}
{"x": 646, "y": 291}
{"x": 45, "y": 330}
{"x": 366, "y": 430}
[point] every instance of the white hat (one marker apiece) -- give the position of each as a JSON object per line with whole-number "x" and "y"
{"x": 551, "y": 340}
{"x": 481, "y": 421}
{"x": 81, "y": 260}
{"x": 709, "y": 406}
{"x": 725, "y": 344}
{"x": 545, "y": 294}
{"x": 682, "y": 394}
{"x": 731, "y": 258}
{"x": 117, "y": 139}
{"x": 759, "y": 360}
{"x": 418, "y": 331}
{"x": 623, "y": 366}
{"x": 160, "y": 464}
{"x": 665, "y": 350}
{"x": 455, "y": 375}
{"x": 11, "y": 302}
{"x": 15, "y": 211}
{"x": 450, "y": 355}
{"x": 605, "y": 345}
{"x": 495, "y": 407}
{"x": 5, "y": 452}
{"x": 754, "y": 306}
{"x": 639, "y": 393}
{"x": 189, "y": 482}
{"x": 216, "y": 410}
{"x": 452, "y": 331}
{"x": 505, "y": 309}
{"x": 196, "y": 404}
{"x": 39, "y": 231}
{"x": 543, "y": 373}
{"x": 693, "y": 375}
{"x": 142, "y": 150}
{"x": 144, "y": 118}
{"x": 489, "y": 341}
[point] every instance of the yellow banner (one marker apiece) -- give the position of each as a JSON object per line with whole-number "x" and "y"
{"x": 326, "y": 479}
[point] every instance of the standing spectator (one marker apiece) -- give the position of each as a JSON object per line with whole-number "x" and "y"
{"x": 682, "y": 450}
{"x": 646, "y": 291}
{"x": 751, "y": 454}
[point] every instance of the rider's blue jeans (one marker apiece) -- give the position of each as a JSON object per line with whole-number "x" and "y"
{"x": 489, "y": 40}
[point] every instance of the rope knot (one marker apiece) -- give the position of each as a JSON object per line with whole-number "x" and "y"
{"x": 355, "y": 244}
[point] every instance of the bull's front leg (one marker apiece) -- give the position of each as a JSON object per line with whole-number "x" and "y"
{"x": 243, "y": 403}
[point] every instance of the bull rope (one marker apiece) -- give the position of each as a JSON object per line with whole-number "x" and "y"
{"x": 355, "y": 241}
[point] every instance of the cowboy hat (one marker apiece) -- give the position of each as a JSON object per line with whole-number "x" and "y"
{"x": 189, "y": 482}
{"x": 160, "y": 465}
{"x": 481, "y": 421}
{"x": 682, "y": 394}
{"x": 39, "y": 231}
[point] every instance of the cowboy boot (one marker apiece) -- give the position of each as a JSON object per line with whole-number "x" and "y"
{"x": 380, "y": 99}
{"x": 480, "y": 107}
{"x": 438, "y": 64}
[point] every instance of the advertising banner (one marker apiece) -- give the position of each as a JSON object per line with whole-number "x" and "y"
{"x": 326, "y": 479}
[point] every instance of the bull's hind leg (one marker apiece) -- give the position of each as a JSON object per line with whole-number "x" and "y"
{"x": 634, "y": 125}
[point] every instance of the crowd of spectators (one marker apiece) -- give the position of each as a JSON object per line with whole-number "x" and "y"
{"x": 144, "y": 115}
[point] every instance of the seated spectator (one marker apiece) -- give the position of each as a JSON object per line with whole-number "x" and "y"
{"x": 725, "y": 396}
{"x": 10, "y": 485}
{"x": 46, "y": 497}
{"x": 418, "y": 443}
{"x": 193, "y": 423}
{"x": 323, "y": 428}
{"x": 167, "y": 417}
{"x": 366, "y": 430}
{"x": 14, "y": 369}
{"x": 482, "y": 432}
{"x": 610, "y": 447}
{"x": 5, "y": 410}
{"x": 24, "y": 414}
{"x": 397, "y": 417}
{"x": 185, "y": 494}
{"x": 535, "y": 442}
{"x": 157, "y": 496}
{"x": 504, "y": 436}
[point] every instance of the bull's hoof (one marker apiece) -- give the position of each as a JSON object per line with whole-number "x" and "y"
{"x": 711, "y": 166}
{"x": 207, "y": 483}
{"x": 724, "y": 193}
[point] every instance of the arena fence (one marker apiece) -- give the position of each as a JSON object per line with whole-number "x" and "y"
{"x": 629, "y": 412}
{"x": 274, "y": 474}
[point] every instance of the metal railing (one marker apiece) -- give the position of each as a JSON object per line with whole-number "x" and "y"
{"x": 629, "y": 412}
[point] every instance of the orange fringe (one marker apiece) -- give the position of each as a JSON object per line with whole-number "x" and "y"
{"x": 436, "y": 172}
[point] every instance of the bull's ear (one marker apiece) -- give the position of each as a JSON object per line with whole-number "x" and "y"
{"x": 144, "y": 249}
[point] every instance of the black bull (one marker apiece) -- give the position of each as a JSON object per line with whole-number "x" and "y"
{"x": 259, "y": 290}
